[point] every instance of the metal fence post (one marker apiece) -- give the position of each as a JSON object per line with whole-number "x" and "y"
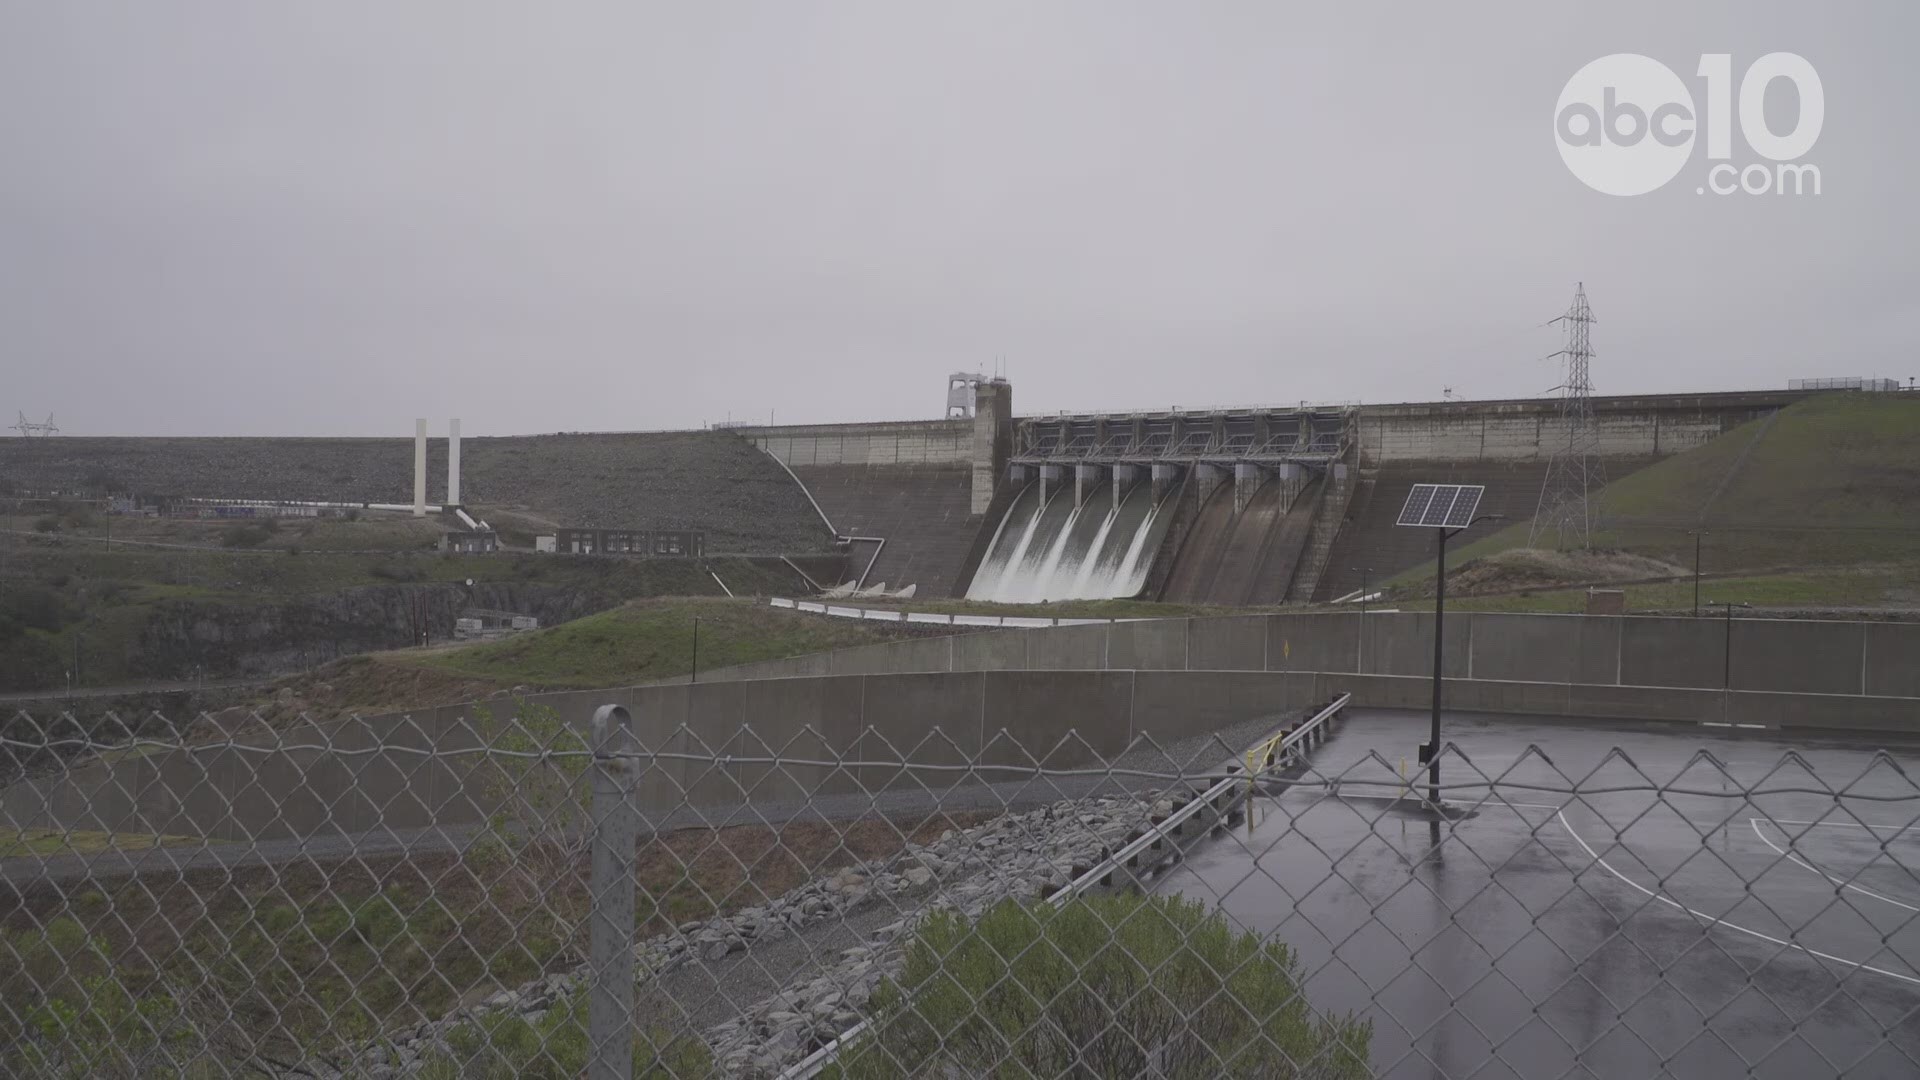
{"x": 610, "y": 948}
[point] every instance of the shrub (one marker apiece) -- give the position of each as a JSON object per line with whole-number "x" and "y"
{"x": 504, "y": 1046}
{"x": 1105, "y": 986}
{"x": 542, "y": 800}
{"x": 71, "y": 515}
{"x": 34, "y": 606}
{"x": 78, "y": 1017}
{"x": 243, "y": 536}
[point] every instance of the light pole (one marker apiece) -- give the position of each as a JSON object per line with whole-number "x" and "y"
{"x": 696, "y": 650}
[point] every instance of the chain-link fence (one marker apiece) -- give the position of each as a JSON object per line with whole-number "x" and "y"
{"x": 514, "y": 896}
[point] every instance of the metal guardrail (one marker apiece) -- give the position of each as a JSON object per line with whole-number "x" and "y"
{"x": 1285, "y": 746}
{"x": 839, "y": 611}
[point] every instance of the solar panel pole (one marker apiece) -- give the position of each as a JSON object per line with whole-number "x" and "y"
{"x": 1439, "y": 640}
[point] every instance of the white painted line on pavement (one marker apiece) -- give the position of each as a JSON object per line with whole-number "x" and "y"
{"x": 1797, "y": 861}
{"x": 1714, "y": 921}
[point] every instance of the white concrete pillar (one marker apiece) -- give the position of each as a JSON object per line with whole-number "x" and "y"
{"x": 420, "y": 467}
{"x": 1051, "y": 477}
{"x": 1247, "y": 478}
{"x": 1165, "y": 478}
{"x": 1085, "y": 479}
{"x": 453, "y": 462}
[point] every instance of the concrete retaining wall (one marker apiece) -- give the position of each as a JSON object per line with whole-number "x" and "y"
{"x": 1790, "y": 655}
{"x": 917, "y": 721}
{"x": 1871, "y": 668}
{"x": 1892, "y": 660}
{"x": 1060, "y": 697}
{"x": 1056, "y": 719}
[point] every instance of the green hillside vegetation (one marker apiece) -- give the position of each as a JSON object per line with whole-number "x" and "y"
{"x": 1831, "y": 481}
{"x": 645, "y": 640}
{"x": 69, "y": 605}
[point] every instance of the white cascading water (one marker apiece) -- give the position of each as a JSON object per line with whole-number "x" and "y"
{"x": 1083, "y": 580}
{"x": 1132, "y": 574}
{"x": 1050, "y": 562}
{"x": 1033, "y": 555}
{"x": 1023, "y": 541}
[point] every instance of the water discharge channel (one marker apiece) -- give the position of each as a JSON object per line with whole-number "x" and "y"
{"x": 1050, "y": 548}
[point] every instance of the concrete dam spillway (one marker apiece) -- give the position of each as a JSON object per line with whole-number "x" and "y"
{"x": 1245, "y": 552}
{"x": 1052, "y": 545}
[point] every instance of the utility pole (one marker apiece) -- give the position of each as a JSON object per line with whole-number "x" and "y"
{"x": 1726, "y": 658}
{"x": 1726, "y": 667}
{"x": 1697, "y": 534}
{"x": 1360, "y": 638}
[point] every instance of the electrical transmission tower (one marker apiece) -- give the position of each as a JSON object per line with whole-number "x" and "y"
{"x": 28, "y": 427}
{"x": 1568, "y": 497}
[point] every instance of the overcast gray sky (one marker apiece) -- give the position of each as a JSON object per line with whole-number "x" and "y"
{"x": 328, "y": 218}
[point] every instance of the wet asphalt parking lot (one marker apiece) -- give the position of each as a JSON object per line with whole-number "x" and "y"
{"x": 1754, "y": 916}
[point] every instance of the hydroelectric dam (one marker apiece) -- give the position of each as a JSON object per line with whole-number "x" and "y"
{"x": 1230, "y": 506}
{"x": 1236, "y": 506}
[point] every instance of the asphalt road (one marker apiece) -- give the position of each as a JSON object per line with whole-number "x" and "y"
{"x": 1619, "y": 933}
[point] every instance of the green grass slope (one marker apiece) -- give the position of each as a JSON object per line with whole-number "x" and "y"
{"x": 649, "y": 639}
{"x": 1831, "y": 481}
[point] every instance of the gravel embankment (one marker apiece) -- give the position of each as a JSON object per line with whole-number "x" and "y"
{"x": 765, "y": 986}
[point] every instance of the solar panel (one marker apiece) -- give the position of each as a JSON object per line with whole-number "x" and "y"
{"x": 1441, "y": 506}
{"x": 1464, "y": 504}
{"x": 1417, "y": 502}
